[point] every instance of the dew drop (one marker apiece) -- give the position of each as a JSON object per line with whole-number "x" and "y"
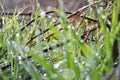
{"x": 70, "y": 74}
{"x": 42, "y": 14}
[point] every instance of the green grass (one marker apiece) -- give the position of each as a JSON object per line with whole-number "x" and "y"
{"x": 76, "y": 60}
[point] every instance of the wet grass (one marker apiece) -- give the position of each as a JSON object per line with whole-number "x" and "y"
{"x": 59, "y": 46}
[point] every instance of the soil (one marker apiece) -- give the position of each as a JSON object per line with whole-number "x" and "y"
{"x": 30, "y": 5}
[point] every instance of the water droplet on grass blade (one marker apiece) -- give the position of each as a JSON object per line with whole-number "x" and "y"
{"x": 44, "y": 75}
{"x": 97, "y": 54}
{"x": 20, "y": 62}
{"x": 19, "y": 57}
{"x": 83, "y": 63}
{"x": 68, "y": 74}
{"x": 57, "y": 65}
{"x": 43, "y": 14}
{"x": 87, "y": 78}
{"x": 19, "y": 77}
{"x": 17, "y": 35}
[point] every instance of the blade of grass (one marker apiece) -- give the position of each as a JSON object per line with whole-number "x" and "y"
{"x": 48, "y": 66}
{"x": 32, "y": 71}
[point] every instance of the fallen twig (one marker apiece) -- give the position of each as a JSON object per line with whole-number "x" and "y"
{"x": 71, "y": 15}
